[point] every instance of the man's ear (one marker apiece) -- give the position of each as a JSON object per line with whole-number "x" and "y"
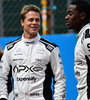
{"x": 83, "y": 15}
{"x": 21, "y": 22}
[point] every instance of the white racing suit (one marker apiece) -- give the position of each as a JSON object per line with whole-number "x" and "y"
{"x": 82, "y": 63}
{"x": 34, "y": 62}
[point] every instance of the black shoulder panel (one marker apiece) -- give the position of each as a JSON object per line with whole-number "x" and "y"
{"x": 49, "y": 45}
{"x": 87, "y": 33}
{"x": 11, "y": 44}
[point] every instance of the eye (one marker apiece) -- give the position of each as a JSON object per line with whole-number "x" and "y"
{"x": 34, "y": 19}
{"x": 37, "y": 19}
{"x": 70, "y": 13}
{"x": 31, "y": 19}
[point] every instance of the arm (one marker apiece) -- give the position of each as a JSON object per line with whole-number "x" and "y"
{"x": 1, "y": 53}
{"x": 57, "y": 67}
{"x": 86, "y": 48}
{"x": 4, "y": 71}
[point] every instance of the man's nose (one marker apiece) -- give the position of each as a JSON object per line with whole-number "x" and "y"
{"x": 66, "y": 17}
{"x": 34, "y": 21}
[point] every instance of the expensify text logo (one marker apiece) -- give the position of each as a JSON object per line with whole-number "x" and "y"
{"x": 32, "y": 78}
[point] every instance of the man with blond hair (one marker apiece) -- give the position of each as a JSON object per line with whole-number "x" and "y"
{"x": 34, "y": 62}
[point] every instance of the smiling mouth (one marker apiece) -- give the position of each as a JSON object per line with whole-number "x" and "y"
{"x": 67, "y": 23}
{"x": 34, "y": 27}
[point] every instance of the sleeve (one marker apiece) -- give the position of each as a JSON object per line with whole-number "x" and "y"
{"x": 86, "y": 43}
{"x": 4, "y": 71}
{"x": 59, "y": 76}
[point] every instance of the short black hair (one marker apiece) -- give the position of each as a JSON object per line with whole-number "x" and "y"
{"x": 82, "y": 6}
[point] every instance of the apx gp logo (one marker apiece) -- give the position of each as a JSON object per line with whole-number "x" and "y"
{"x": 26, "y": 68}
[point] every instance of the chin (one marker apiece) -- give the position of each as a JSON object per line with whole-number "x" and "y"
{"x": 69, "y": 27}
{"x": 34, "y": 33}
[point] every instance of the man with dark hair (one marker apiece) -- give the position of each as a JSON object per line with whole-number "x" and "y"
{"x": 78, "y": 15}
{"x": 34, "y": 61}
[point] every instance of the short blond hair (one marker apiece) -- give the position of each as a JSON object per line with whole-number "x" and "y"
{"x": 28, "y": 8}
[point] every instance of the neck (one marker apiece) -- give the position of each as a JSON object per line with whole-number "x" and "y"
{"x": 79, "y": 28}
{"x": 29, "y": 36}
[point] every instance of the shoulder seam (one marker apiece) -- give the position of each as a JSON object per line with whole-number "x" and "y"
{"x": 49, "y": 45}
{"x": 47, "y": 42}
{"x": 12, "y": 43}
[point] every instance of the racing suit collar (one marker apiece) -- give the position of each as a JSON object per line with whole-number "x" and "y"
{"x": 81, "y": 31}
{"x": 33, "y": 40}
